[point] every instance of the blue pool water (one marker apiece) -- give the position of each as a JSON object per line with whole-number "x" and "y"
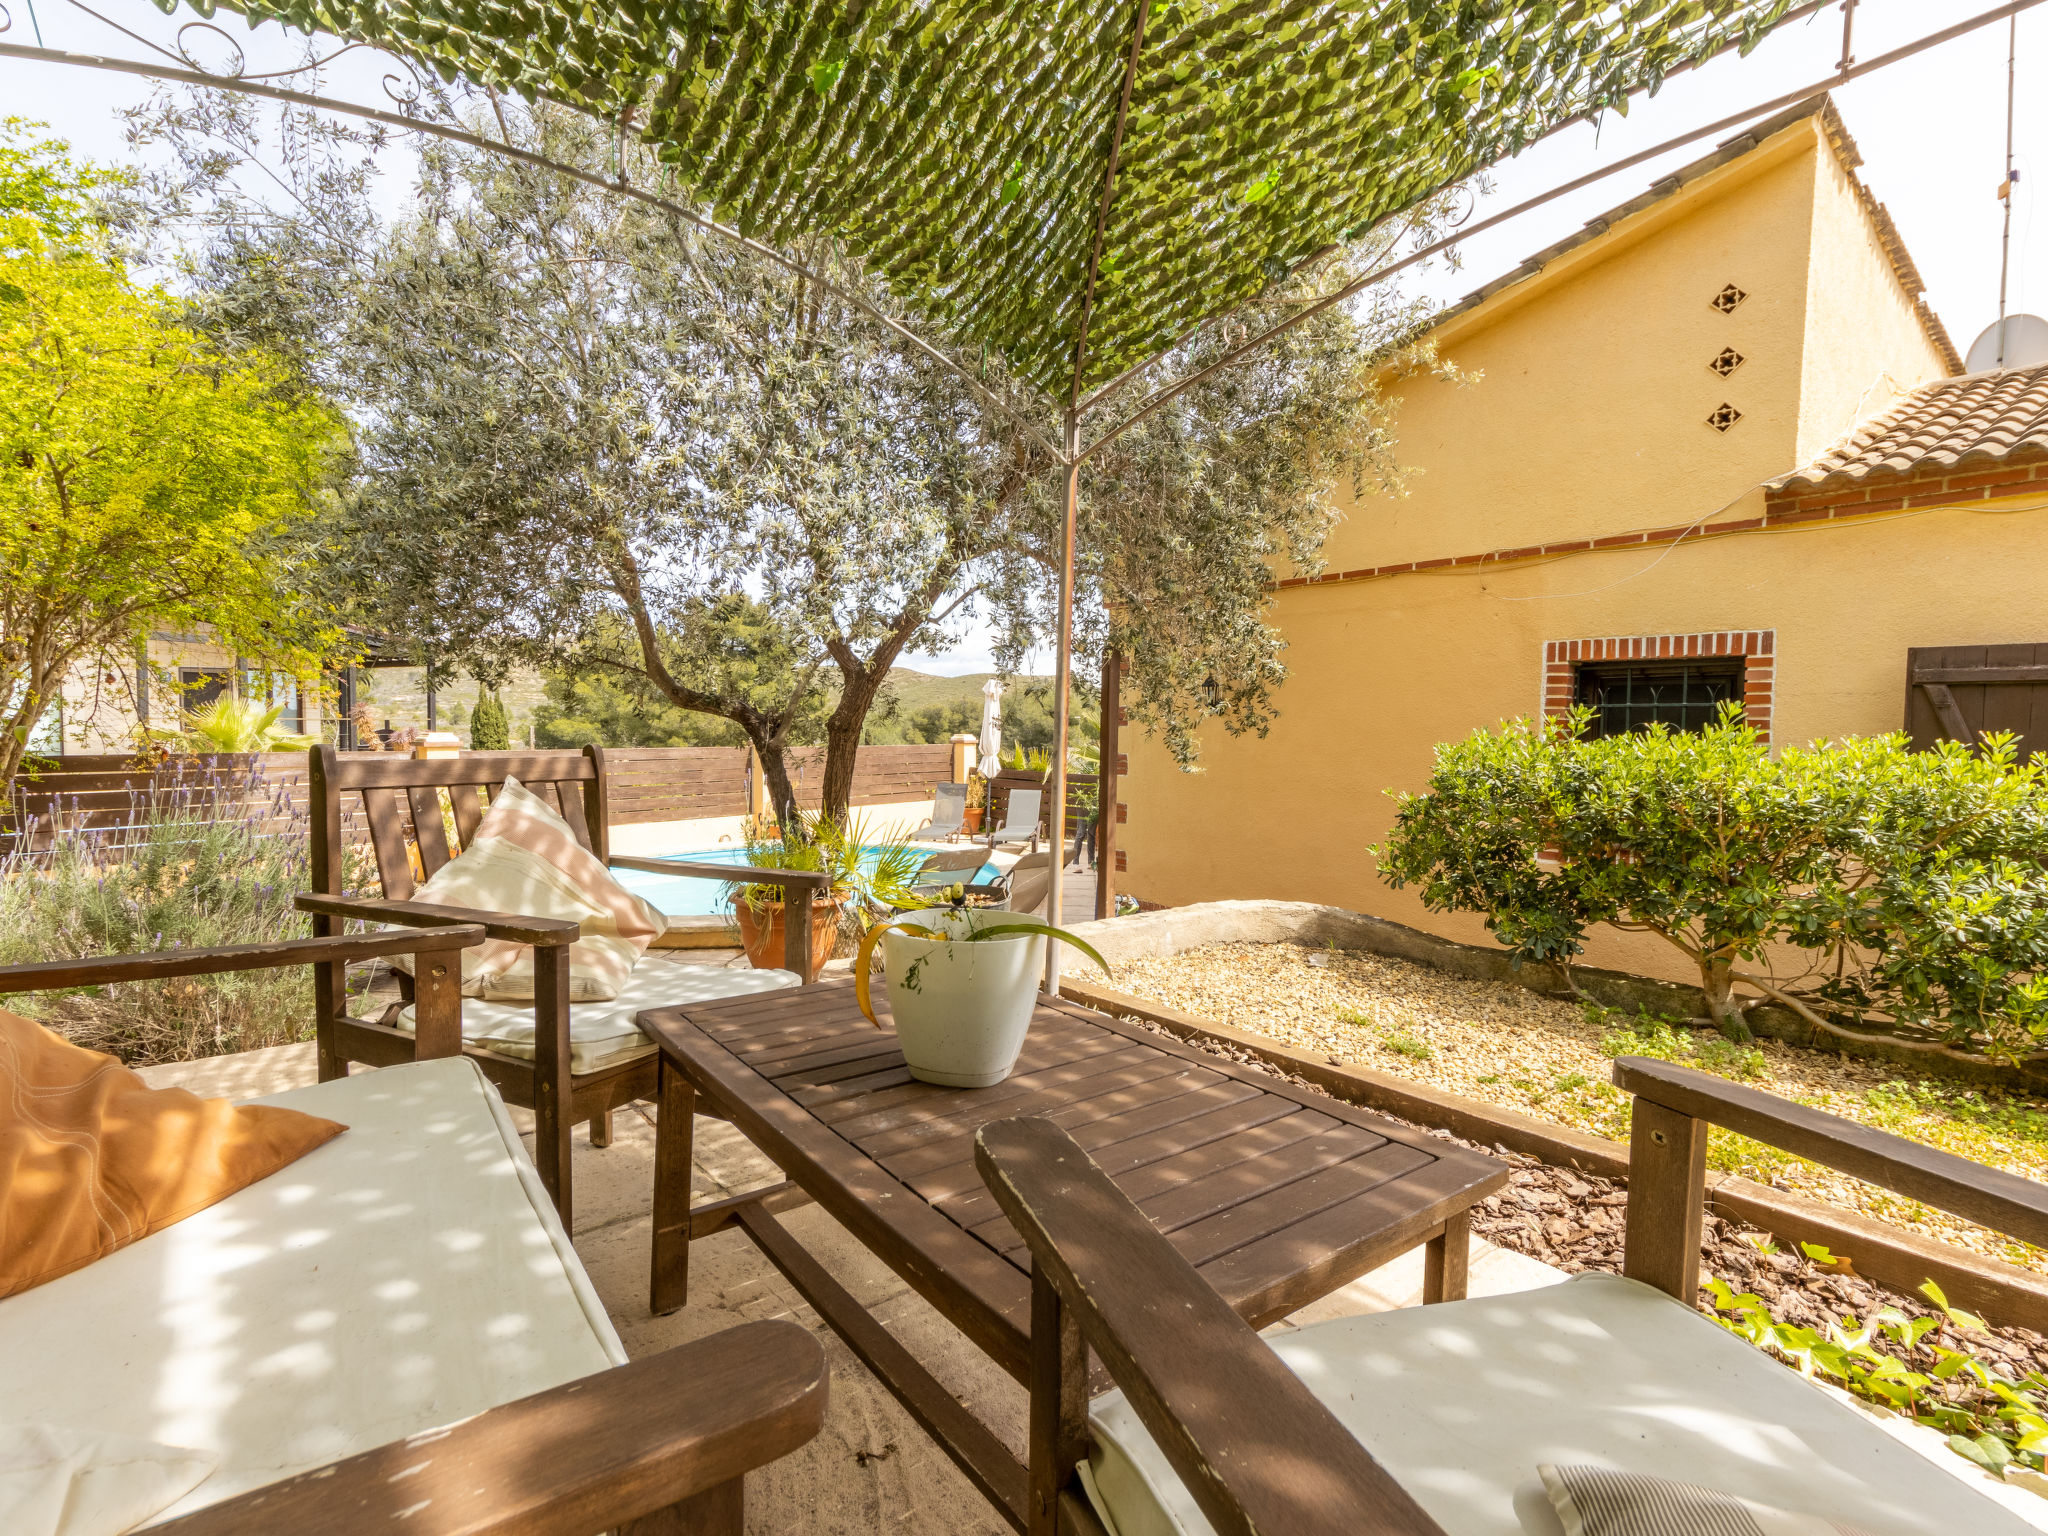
{"x": 687, "y": 896}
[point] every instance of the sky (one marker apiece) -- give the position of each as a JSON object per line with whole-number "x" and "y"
{"x": 1931, "y": 130}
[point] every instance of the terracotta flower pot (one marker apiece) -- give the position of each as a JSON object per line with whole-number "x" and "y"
{"x": 761, "y": 935}
{"x": 973, "y": 821}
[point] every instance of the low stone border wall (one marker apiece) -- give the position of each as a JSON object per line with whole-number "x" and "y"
{"x": 1173, "y": 929}
{"x": 1887, "y": 1255}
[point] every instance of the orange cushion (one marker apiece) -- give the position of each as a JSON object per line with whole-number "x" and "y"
{"x": 92, "y": 1158}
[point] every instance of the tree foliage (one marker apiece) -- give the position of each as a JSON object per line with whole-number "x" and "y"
{"x": 147, "y": 477}
{"x": 1908, "y": 884}
{"x": 488, "y": 729}
{"x": 595, "y": 439}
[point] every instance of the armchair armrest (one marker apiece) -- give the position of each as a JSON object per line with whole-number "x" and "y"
{"x": 1667, "y": 1166}
{"x": 788, "y": 879}
{"x": 100, "y": 970}
{"x": 546, "y": 932}
{"x": 1251, "y": 1443}
{"x": 594, "y": 1454}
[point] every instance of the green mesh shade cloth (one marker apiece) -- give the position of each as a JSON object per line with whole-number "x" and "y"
{"x": 960, "y": 149}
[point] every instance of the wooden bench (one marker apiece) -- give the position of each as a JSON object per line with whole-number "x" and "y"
{"x": 1425, "y": 1421}
{"x": 402, "y": 808}
{"x": 274, "y": 1322}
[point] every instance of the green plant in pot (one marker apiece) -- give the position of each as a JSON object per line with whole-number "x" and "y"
{"x": 962, "y": 983}
{"x": 865, "y": 873}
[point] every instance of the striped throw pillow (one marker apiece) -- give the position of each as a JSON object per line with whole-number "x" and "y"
{"x": 1595, "y": 1501}
{"x": 525, "y": 861}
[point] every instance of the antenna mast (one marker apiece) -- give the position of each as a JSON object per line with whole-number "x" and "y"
{"x": 2012, "y": 49}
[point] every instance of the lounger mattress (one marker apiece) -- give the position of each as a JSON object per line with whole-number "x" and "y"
{"x": 407, "y": 1274}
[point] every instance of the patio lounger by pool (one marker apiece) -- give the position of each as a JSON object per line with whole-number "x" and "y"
{"x": 1434, "y": 1421}
{"x": 949, "y": 813}
{"x": 392, "y": 1333}
{"x": 1020, "y": 818}
{"x": 564, "y": 1065}
{"x": 1029, "y": 880}
{"x": 952, "y": 866}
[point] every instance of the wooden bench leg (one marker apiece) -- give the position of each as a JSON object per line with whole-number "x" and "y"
{"x": 1446, "y": 1260}
{"x": 601, "y": 1129}
{"x": 674, "y": 1134}
{"x": 717, "y": 1511}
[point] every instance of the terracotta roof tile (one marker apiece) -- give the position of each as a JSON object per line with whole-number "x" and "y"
{"x": 1981, "y": 418}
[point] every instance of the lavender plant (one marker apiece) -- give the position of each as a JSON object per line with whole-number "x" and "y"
{"x": 210, "y": 854}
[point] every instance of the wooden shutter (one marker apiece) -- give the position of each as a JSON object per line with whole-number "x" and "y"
{"x": 1959, "y": 692}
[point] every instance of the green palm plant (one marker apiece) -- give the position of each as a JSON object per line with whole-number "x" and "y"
{"x": 241, "y": 725}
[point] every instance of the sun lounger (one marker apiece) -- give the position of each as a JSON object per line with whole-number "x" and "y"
{"x": 952, "y": 866}
{"x": 1433, "y": 1420}
{"x": 949, "y": 814}
{"x": 394, "y": 1332}
{"x": 1020, "y": 818}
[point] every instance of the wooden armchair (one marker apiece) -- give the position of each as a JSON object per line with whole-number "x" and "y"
{"x": 1257, "y": 1450}
{"x": 401, "y": 808}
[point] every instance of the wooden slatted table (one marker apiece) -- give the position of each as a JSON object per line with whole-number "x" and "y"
{"x": 1274, "y": 1193}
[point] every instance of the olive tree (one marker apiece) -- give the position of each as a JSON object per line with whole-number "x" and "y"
{"x": 593, "y": 437}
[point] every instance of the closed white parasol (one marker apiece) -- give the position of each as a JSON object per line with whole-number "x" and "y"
{"x": 991, "y": 745}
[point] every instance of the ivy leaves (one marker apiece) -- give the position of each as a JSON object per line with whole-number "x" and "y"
{"x": 1257, "y": 135}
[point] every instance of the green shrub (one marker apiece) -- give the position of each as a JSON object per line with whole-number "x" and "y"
{"x": 488, "y": 730}
{"x": 198, "y": 871}
{"x": 1911, "y": 881}
{"x": 1988, "y": 1416}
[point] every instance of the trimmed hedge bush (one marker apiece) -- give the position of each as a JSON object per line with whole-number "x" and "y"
{"x": 1910, "y": 886}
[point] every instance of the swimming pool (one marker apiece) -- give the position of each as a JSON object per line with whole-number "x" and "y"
{"x": 687, "y": 896}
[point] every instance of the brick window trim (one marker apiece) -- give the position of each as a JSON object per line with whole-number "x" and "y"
{"x": 1757, "y": 648}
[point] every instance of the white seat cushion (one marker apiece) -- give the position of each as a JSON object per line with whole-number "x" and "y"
{"x": 409, "y": 1273}
{"x": 604, "y": 1034}
{"x": 1462, "y": 1401}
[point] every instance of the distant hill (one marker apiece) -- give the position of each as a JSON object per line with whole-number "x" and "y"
{"x": 922, "y": 690}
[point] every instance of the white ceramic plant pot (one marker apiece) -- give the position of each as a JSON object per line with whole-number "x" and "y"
{"x": 962, "y": 1009}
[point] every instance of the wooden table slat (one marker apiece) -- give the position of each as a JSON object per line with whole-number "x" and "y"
{"x": 1096, "y": 1117}
{"x": 925, "y": 1143}
{"x": 912, "y": 1109}
{"x": 1219, "y": 1133}
{"x": 1246, "y": 1221}
{"x": 1268, "y": 1279}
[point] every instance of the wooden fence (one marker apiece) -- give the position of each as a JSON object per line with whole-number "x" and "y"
{"x": 675, "y": 783}
{"x": 110, "y": 796}
{"x": 882, "y": 775}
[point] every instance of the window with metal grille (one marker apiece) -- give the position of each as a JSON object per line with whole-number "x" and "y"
{"x": 1632, "y": 696}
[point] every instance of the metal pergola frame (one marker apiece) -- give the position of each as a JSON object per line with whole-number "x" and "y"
{"x": 1070, "y": 453}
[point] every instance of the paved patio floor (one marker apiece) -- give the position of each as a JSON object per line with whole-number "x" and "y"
{"x": 871, "y": 1471}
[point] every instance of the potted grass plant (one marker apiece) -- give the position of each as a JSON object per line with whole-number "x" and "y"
{"x": 866, "y": 873}
{"x": 962, "y": 984}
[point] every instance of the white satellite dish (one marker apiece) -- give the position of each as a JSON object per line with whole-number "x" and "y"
{"x": 2026, "y": 345}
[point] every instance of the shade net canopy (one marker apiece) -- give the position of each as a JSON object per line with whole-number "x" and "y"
{"x": 960, "y": 150}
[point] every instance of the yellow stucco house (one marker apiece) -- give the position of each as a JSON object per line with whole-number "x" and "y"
{"x": 1717, "y": 449}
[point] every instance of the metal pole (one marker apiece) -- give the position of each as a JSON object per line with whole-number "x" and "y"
{"x": 1062, "y": 672}
{"x": 2012, "y": 49}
